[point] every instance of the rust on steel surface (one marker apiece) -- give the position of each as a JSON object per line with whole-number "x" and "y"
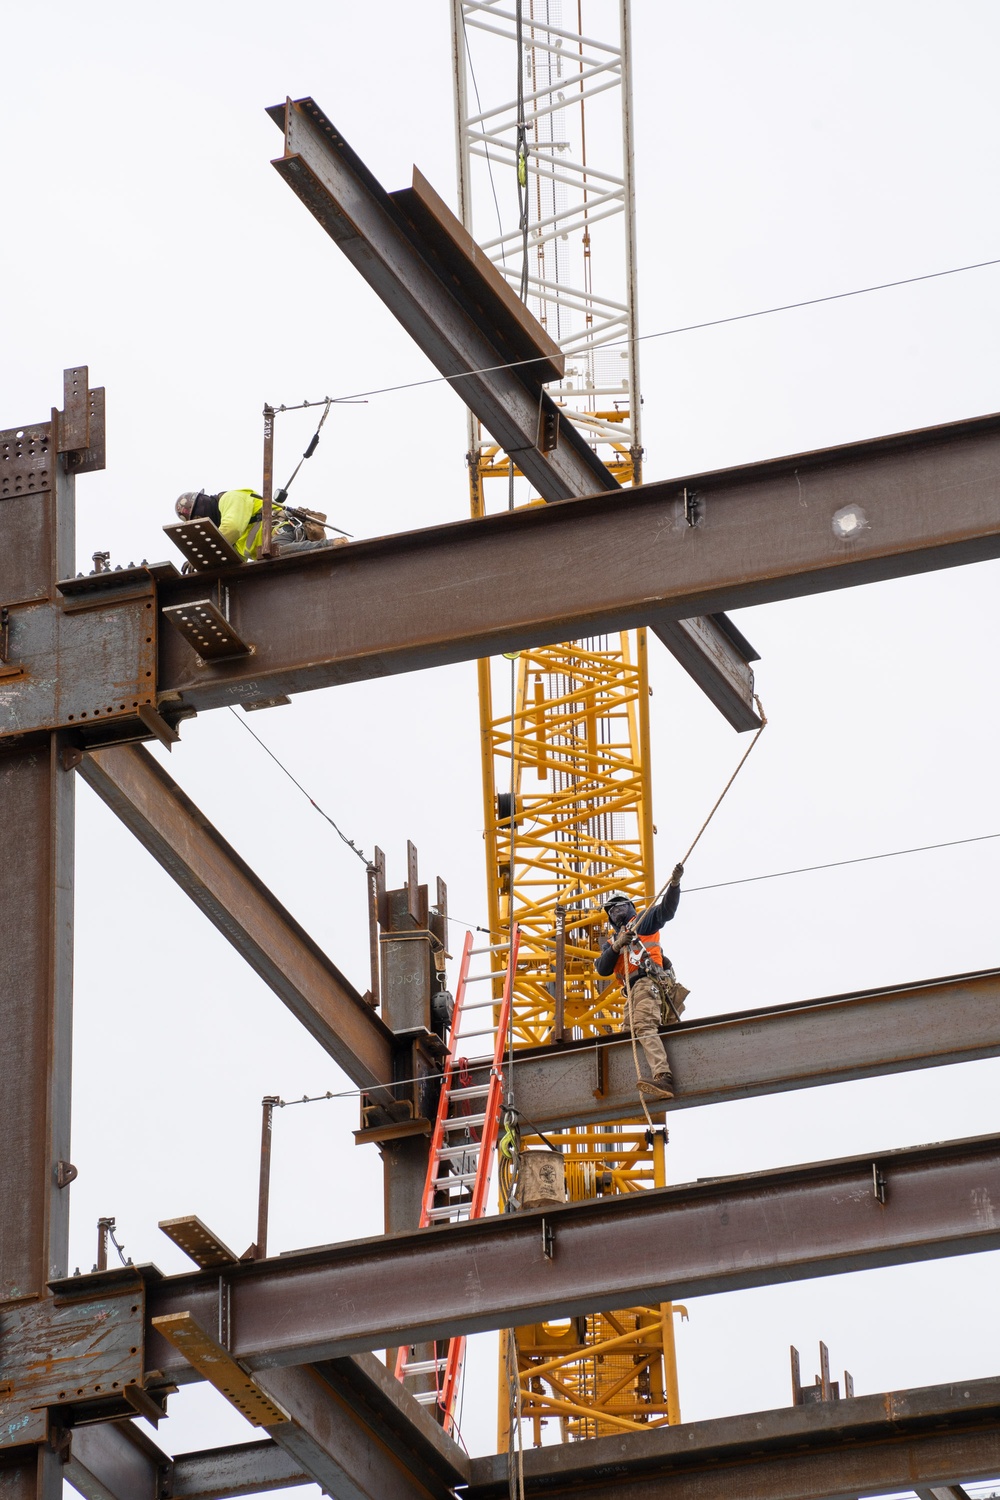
{"x": 868, "y": 1445}
{"x": 719, "y": 1235}
{"x": 72, "y": 1353}
{"x": 932, "y": 1023}
{"x": 166, "y": 821}
{"x": 930, "y": 499}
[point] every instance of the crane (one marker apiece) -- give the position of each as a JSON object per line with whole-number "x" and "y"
{"x": 545, "y": 167}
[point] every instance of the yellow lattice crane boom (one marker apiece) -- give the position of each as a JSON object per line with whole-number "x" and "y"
{"x": 565, "y": 729}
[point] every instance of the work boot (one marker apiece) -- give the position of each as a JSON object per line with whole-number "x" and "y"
{"x": 662, "y": 1086}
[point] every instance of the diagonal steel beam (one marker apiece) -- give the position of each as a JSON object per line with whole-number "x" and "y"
{"x": 869, "y": 1445}
{"x": 151, "y": 804}
{"x": 447, "y": 294}
{"x": 864, "y": 1035}
{"x": 705, "y": 1237}
{"x": 117, "y": 1461}
{"x": 821, "y": 521}
{"x": 359, "y": 1438}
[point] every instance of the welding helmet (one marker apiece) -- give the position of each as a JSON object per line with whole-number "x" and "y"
{"x": 185, "y": 504}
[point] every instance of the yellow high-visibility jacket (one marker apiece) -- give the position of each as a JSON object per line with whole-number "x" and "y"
{"x": 240, "y": 520}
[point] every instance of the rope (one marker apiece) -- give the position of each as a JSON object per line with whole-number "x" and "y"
{"x": 718, "y": 802}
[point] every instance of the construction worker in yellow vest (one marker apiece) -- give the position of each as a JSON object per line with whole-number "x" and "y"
{"x": 237, "y": 514}
{"x": 648, "y": 981}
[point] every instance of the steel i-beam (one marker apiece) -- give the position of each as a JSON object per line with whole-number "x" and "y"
{"x": 528, "y": 577}
{"x": 698, "y": 1238}
{"x": 37, "y": 542}
{"x": 447, "y": 294}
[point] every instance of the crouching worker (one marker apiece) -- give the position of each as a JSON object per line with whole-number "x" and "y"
{"x": 238, "y": 514}
{"x": 649, "y": 985}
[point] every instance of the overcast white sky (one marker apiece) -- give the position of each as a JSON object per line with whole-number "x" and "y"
{"x": 783, "y": 151}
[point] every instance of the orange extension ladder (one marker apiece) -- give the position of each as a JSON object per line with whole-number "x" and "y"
{"x": 461, "y": 1152}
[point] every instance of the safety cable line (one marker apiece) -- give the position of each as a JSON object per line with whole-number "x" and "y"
{"x": 338, "y": 831}
{"x": 664, "y": 333}
{"x": 836, "y": 864}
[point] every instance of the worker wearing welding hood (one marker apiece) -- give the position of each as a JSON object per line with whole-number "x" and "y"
{"x": 238, "y": 515}
{"x": 648, "y": 981}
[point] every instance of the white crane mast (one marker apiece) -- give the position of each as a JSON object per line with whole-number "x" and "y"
{"x": 576, "y": 262}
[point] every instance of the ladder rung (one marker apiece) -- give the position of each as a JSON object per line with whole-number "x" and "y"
{"x": 465, "y": 1036}
{"x": 426, "y": 1398}
{"x": 455, "y": 1179}
{"x": 471, "y": 1091}
{"x": 446, "y": 1213}
{"x": 425, "y": 1366}
{"x": 496, "y": 948}
{"x": 450, "y": 1153}
{"x": 477, "y": 1005}
{"x": 493, "y": 974}
{"x": 460, "y": 1121}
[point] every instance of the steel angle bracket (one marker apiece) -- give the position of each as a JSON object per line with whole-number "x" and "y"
{"x": 206, "y": 629}
{"x": 204, "y": 546}
{"x": 218, "y": 1367}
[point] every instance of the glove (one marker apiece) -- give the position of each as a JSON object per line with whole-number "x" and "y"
{"x": 675, "y": 878}
{"x": 620, "y": 940}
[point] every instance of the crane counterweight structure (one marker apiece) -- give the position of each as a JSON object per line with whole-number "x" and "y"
{"x": 565, "y": 744}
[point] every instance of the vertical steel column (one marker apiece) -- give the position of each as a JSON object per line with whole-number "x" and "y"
{"x": 36, "y": 941}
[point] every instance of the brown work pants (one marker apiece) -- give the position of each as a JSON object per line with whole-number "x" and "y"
{"x": 645, "y": 1002}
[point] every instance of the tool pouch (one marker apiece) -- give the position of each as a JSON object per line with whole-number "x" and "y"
{"x": 672, "y": 995}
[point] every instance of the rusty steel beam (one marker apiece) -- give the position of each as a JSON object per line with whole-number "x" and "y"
{"x": 447, "y": 294}
{"x": 151, "y": 804}
{"x": 452, "y": 302}
{"x": 869, "y": 1445}
{"x": 242, "y": 1469}
{"x": 846, "y": 516}
{"x": 117, "y": 1461}
{"x": 358, "y": 1434}
{"x": 37, "y": 547}
{"x": 742, "y": 1056}
{"x": 698, "y": 1238}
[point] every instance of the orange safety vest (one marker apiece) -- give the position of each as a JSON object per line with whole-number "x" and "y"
{"x": 652, "y": 946}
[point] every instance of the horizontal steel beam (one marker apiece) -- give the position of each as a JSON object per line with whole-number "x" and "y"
{"x": 181, "y": 839}
{"x": 870, "y": 1445}
{"x": 547, "y": 573}
{"x": 862, "y": 1035}
{"x": 466, "y": 318}
{"x": 241, "y": 1469}
{"x": 698, "y": 1238}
